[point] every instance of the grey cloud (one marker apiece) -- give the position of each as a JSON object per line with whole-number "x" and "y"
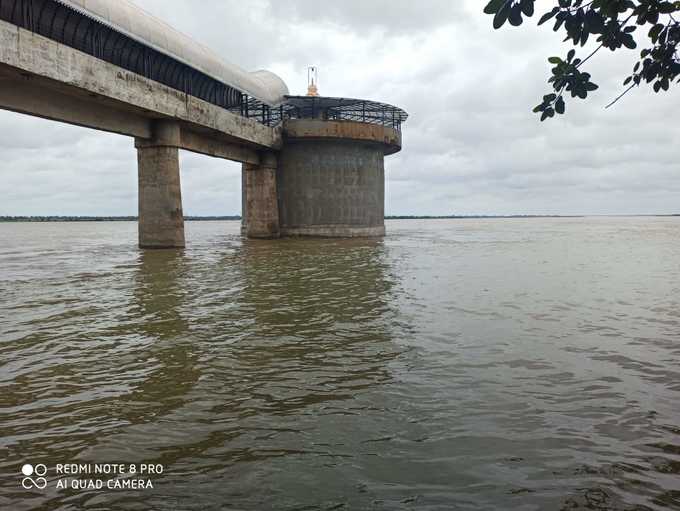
{"x": 471, "y": 145}
{"x": 357, "y": 15}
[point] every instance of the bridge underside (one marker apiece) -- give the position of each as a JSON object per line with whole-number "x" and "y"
{"x": 40, "y": 97}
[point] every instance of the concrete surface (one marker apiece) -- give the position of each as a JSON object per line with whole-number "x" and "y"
{"x": 331, "y": 178}
{"x": 161, "y": 219}
{"x": 93, "y": 93}
{"x": 316, "y": 129}
{"x": 261, "y": 212}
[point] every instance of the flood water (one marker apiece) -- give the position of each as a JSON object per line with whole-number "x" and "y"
{"x": 528, "y": 364}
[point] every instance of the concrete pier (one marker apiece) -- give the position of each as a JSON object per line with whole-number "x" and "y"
{"x": 331, "y": 178}
{"x": 161, "y": 219}
{"x": 261, "y": 205}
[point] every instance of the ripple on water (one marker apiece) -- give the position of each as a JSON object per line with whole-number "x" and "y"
{"x": 492, "y": 364}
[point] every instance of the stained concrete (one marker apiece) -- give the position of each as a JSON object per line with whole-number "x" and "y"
{"x": 161, "y": 219}
{"x": 260, "y": 197}
{"x": 321, "y": 129}
{"x": 331, "y": 178}
{"x": 93, "y": 85}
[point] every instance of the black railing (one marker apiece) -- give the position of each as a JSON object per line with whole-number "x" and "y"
{"x": 343, "y": 109}
{"x": 67, "y": 26}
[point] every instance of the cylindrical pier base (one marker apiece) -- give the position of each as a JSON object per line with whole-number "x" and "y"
{"x": 331, "y": 178}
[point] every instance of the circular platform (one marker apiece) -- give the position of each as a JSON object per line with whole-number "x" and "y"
{"x": 344, "y": 109}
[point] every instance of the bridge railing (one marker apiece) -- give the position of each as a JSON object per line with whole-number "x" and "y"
{"x": 342, "y": 109}
{"x": 61, "y": 23}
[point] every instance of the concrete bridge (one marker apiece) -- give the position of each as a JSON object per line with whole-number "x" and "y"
{"x": 312, "y": 166}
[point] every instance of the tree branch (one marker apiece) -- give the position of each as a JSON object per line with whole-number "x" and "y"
{"x": 621, "y": 95}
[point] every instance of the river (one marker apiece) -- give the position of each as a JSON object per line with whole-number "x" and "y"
{"x": 529, "y": 364}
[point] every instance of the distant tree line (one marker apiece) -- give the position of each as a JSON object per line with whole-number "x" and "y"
{"x": 54, "y": 218}
{"x": 430, "y": 217}
{"x": 237, "y": 217}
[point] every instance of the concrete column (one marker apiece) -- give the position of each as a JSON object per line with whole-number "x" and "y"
{"x": 244, "y": 200}
{"x": 161, "y": 220}
{"x": 261, "y": 211}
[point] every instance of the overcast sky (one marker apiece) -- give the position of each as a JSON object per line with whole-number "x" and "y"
{"x": 471, "y": 145}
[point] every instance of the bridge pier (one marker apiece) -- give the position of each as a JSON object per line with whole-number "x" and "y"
{"x": 260, "y": 198}
{"x": 161, "y": 219}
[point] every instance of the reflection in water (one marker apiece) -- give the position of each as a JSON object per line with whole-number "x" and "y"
{"x": 159, "y": 294}
{"x": 285, "y": 372}
{"x": 305, "y": 299}
{"x": 161, "y": 352}
{"x": 473, "y": 365}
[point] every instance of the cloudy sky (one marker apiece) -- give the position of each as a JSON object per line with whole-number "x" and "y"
{"x": 471, "y": 145}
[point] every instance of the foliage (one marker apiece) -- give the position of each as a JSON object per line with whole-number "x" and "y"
{"x": 614, "y": 23}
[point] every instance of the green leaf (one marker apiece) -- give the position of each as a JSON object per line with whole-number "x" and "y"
{"x": 515, "y": 16}
{"x": 667, "y": 8}
{"x": 548, "y": 16}
{"x": 628, "y": 41}
{"x": 528, "y": 7}
{"x": 501, "y": 16}
{"x": 654, "y": 32}
{"x": 555, "y": 60}
{"x": 494, "y": 6}
{"x": 559, "y": 105}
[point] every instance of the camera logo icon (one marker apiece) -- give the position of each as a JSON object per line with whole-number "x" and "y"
{"x": 34, "y": 476}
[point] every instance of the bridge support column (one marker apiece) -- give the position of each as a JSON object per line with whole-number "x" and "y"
{"x": 260, "y": 200}
{"x": 161, "y": 219}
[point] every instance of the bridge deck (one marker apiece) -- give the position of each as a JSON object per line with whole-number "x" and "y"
{"x": 41, "y": 77}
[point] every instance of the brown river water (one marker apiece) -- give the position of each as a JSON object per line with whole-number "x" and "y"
{"x": 529, "y": 364}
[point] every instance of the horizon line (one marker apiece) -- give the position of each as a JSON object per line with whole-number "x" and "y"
{"x": 189, "y": 218}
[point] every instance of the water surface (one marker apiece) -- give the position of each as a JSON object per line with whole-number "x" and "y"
{"x": 528, "y": 364}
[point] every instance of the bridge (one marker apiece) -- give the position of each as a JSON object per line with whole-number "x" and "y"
{"x": 312, "y": 166}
